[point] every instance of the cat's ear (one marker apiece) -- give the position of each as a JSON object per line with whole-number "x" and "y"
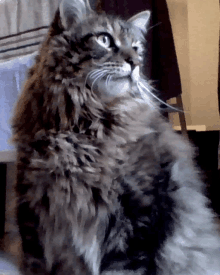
{"x": 141, "y": 20}
{"x": 74, "y": 11}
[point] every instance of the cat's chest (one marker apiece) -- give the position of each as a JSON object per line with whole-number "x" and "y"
{"x": 87, "y": 165}
{"x": 82, "y": 170}
{"x": 96, "y": 162}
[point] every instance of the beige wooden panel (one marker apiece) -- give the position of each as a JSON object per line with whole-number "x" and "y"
{"x": 179, "y": 21}
{"x": 195, "y": 25}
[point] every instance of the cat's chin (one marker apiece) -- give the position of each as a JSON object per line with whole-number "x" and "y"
{"x": 117, "y": 87}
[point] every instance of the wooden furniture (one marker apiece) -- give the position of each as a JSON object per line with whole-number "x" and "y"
{"x": 178, "y": 105}
{"x": 195, "y": 26}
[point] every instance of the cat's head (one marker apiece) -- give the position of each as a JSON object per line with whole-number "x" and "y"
{"x": 106, "y": 52}
{"x": 87, "y": 61}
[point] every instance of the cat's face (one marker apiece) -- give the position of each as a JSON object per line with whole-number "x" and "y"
{"x": 110, "y": 50}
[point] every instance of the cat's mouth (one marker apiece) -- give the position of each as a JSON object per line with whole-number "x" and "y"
{"x": 110, "y": 88}
{"x": 113, "y": 84}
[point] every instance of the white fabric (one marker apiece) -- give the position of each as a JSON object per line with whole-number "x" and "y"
{"x": 12, "y": 76}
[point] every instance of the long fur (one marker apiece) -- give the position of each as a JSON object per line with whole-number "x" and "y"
{"x": 104, "y": 186}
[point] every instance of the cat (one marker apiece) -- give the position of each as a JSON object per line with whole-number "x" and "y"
{"x": 104, "y": 184}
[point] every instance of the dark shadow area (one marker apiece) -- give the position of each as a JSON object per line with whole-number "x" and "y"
{"x": 207, "y": 159}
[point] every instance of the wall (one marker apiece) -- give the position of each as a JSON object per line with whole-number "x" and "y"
{"x": 195, "y": 25}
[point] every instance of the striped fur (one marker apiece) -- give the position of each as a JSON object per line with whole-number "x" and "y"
{"x": 105, "y": 186}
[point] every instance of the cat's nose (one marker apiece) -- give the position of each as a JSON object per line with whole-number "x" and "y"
{"x": 132, "y": 61}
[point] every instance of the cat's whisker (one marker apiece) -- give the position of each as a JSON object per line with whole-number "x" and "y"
{"x": 94, "y": 72}
{"x": 98, "y": 77}
{"x": 157, "y": 98}
{"x": 145, "y": 97}
{"x": 108, "y": 79}
{"x": 91, "y": 73}
{"x": 100, "y": 73}
{"x": 87, "y": 76}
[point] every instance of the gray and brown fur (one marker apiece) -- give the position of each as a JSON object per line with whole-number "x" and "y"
{"x": 105, "y": 186}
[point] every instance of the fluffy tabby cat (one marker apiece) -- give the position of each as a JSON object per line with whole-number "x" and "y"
{"x": 105, "y": 186}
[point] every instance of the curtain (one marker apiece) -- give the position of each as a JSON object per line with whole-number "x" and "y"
{"x": 23, "y": 25}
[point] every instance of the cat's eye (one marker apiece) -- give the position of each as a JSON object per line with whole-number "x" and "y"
{"x": 104, "y": 40}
